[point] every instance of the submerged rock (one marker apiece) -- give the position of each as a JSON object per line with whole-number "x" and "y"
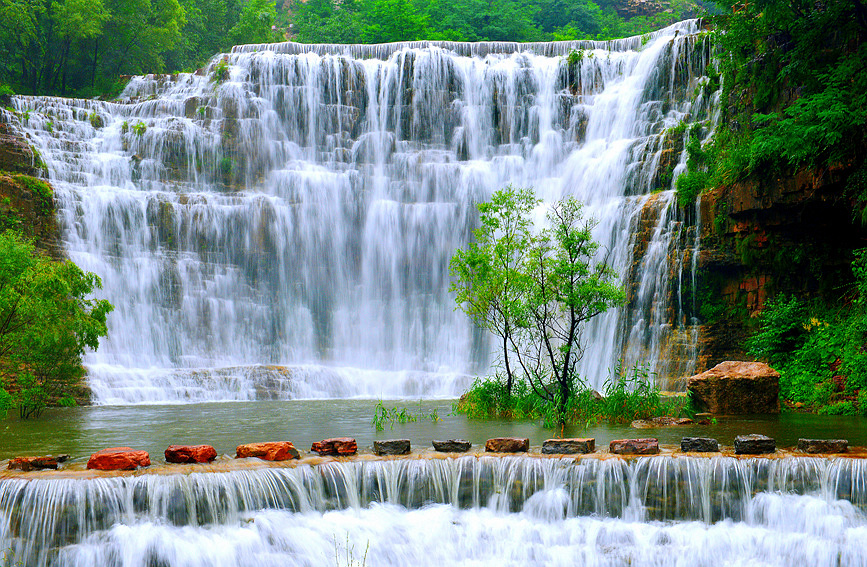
{"x": 663, "y": 421}
{"x": 452, "y": 446}
{"x": 734, "y": 387}
{"x": 119, "y": 459}
{"x": 190, "y": 454}
{"x": 754, "y": 444}
{"x": 507, "y": 445}
{"x": 274, "y": 451}
{"x": 341, "y": 446}
{"x": 568, "y": 446}
{"x": 33, "y": 463}
{"x": 699, "y": 445}
{"x": 648, "y": 446}
{"x": 823, "y": 445}
{"x": 391, "y": 447}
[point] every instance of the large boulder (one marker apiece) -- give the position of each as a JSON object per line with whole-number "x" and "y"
{"x": 276, "y": 451}
{"x": 734, "y": 387}
{"x": 340, "y": 446}
{"x": 118, "y": 459}
{"x": 190, "y": 454}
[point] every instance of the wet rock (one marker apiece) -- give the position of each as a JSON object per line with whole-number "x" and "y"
{"x": 452, "y": 446}
{"x": 699, "y": 445}
{"x": 507, "y": 445}
{"x": 391, "y": 447}
{"x": 733, "y": 387}
{"x": 16, "y": 154}
{"x": 822, "y": 445}
{"x": 754, "y": 444}
{"x": 634, "y": 446}
{"x": 568, "y": 446}
{"x": 663, "y": 421}
{"x": 190, "y": 454}
{"x": 273, "y": 451}
{"x": 341, "y": 446}
{"x": 118, "y": 459}
{"x": 32, "y": 463}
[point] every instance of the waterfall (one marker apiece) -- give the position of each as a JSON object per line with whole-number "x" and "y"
{"x": 705, "y": 511}
{"x": 280, "y": 225}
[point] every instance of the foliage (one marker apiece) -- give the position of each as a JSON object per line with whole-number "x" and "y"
{"x": 46, "y": 323}
{"x": 383, "y": 415}
{"x": 139, "y": 128}
{"x": 628, "y": 395}
{"x": 818, "y": 351}
{"x": 534, "y": 289}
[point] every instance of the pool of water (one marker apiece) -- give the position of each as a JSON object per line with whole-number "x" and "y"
{"x": 82, "y": 430}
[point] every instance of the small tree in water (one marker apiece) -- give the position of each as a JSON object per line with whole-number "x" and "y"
{"x": 535, "y": 289}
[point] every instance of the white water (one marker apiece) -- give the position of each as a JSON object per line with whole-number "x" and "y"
{"x": 467, "y": 511}
{"x": 302, "y": 213}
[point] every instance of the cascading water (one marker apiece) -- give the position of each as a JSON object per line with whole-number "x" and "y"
{"x": 281, "y": 225}
{"x": 471, "y": 510}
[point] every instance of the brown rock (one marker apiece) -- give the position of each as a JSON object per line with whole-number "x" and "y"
{"x": 634, "y": 447}
{"x": 568, "y": 446}
{"x": 341, "y": 446}
{"x": 190, "y": 454}
{"x": 733, "y": 387}
{"x": 275, "y": 451}
{"x": 452, "y": 446}
{"x": 818, "y": 446}
{"x": 507, "y": 445}
{"x": 30, "y": 463}
{"x": 118, "y": 459}
{"x": 663, "y": 421}
{"x": 754, "y": 444}
{"x": 392, "y": 447}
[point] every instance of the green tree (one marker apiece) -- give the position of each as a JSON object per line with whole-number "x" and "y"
{"x": 535, "y": 289}
{"x": 255, "y": 23}
{"x": 47, "y": 321}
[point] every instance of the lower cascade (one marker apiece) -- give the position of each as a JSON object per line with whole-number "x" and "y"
{"x": 665, "y": 510}
{"x": 296, "y": 206}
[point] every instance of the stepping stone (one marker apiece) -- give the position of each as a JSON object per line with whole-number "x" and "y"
{"x": 823, "y": 445}
{"x": 118, "y": 459}
{"x": 190, "y": 454}
{"x": 27, "y": 464}
{"x": 754, "y": 444}
{"x": 452, "y": 446}
{"x": 341, "y": 446}
{"x": 391, "y": 447}
{"x": 699, "y": 445}
{"x": 274, "y": 451}
{"x": 568, "y": 446}
{"x": 634, "y": 446}
{"x": 507, "y": 445}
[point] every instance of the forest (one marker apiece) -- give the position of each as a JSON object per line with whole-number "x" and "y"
{"x": 81, "y": 48}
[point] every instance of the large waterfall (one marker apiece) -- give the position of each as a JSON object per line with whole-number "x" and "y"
{"x": 280, "y": 224}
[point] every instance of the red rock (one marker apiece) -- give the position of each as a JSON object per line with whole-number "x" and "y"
{"x": 118, "y": 459}
{"x": 634, "y": 447}
{"x": 342, "y": 446}
{"x": 30, "y": 463}
{"x": 190, "y": 454}
{"x": 507, "y": 445}
{"x": 733, "y": 387}
{"x": 276, "y": 451}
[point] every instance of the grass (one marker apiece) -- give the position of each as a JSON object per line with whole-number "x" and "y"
{"x": 627, "y": 396}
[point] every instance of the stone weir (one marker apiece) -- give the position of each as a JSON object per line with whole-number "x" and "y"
{"x": 41, "y": 513}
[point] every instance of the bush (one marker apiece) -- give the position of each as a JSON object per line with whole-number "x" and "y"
{"x": 782, "y": 330}
{"x": 46, "y": 323}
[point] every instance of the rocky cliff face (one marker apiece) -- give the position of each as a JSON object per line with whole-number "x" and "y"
{"x": 26, "y": 201}
{"x": 761, "y": 238}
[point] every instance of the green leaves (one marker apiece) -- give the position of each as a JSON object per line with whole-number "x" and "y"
{"x": 534, "y": 288}
{"x": 47, "y": 321}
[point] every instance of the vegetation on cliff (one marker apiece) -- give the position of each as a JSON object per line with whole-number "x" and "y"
{"x": 794, "y": 80}
{"x": 47, "y": 320}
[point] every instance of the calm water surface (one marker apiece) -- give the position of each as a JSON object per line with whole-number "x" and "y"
{"x": 83, "y": 430}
